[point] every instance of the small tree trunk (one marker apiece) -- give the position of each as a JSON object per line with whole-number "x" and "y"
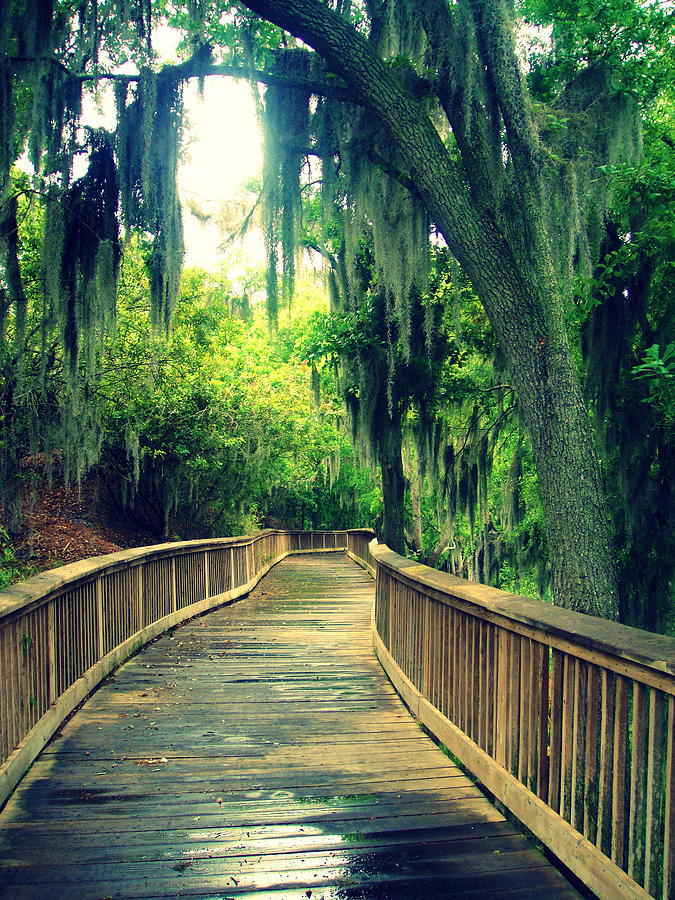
{"x": 12, "y": 518}
{"x": 393, "y": 485}
{"x": 412, "y": 472}
{"x": 10, "y": 465}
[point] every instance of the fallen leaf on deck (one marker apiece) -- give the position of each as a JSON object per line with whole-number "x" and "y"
{"x": 182, "y": 866}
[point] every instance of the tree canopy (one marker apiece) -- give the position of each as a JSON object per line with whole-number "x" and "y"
{"x": 518, "y": 154}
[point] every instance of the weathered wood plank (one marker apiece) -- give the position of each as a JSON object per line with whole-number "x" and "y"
{"x": 266, "y": 840}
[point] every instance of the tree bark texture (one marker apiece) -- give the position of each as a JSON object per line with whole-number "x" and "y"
{"x": 389, "y": 442}
{"x": 415, "y": 478}
{"x": 12, "y": 518}
{"x": 13, "y": 363}
{"x": 506, "y": 260}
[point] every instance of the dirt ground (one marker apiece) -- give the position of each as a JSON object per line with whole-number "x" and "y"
{"x": 63, "y": 524}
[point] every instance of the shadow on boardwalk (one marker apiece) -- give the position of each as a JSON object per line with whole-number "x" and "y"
{"x": 259, "y": 752}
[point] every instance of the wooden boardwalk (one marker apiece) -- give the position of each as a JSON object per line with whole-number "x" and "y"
{"x": 259, "y": 752}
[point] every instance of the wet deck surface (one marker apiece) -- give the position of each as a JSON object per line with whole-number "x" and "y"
{"x": 260, "y": 752}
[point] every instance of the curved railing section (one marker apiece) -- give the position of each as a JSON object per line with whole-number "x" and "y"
{"x": 63, "y": 631}
{"x": 358, "y": 547}
{"x": 567, "y": 719}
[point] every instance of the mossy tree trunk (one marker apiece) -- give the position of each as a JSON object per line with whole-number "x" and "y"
{"x": 11, "y": 475}
{"x": 12, "y": 298}
{"x": 415, "y": 479}
{"x": 389, "y": 457}
{"x": 504, "y": 249}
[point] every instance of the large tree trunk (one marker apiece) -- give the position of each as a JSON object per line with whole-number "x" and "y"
{"x": 393, "y": 484}
{"x": 577, "y": 516}
{"x": 516, "y": 286}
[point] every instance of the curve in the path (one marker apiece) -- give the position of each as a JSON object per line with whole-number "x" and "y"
{"x": 259, "y": 752}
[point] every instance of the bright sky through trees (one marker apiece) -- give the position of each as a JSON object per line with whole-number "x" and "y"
{"x": 223, "y": 150}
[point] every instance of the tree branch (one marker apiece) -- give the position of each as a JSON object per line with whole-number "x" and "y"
{"x": 476, "y": 127}
{"x": 404, "y": 180}
{"x": 497, "y": 49}
{"x": 194, "y": 68}
{"x": 437, "y": 177}
{"x": 312, "y": 245}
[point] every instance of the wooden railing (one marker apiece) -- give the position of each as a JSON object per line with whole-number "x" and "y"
{"x": 567, "y": 719}
{"x": 63, "y": 631}
{"x": 358, "y": 547}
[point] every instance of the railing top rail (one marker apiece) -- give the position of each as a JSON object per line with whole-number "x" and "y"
{"x": 38, "y": 588}
{"x": 553, "y": 625}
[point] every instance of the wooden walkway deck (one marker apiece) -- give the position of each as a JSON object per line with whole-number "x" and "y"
{"x": 260, "y": 752}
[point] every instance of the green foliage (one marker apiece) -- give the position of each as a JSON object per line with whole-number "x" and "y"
{"x": 208, "y": 430}
{"x": 323, "y": 338}
{"x": 659, "y": 372}
{"x": 481, "y": 515}
{"x": 209, "y": 427}
{"x": 8, "y": 567}
{"x": 40, "y": 402}
{"x": 481, "y": 508}
{"x": 625, "y": 327}
{"x": 655, "y": 366}
{"x": 633, "y": 38}
{"x": 148, "y": 138}
{"x": 81, "y": 253}
{"x": 340, "y": 495}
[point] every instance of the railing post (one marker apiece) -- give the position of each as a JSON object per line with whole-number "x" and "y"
{"x": 99, "y": 615}
{"x": 502, "y": 697}
{"x": 51, "y": 650}
{"x": 669, "y": 830}
{"x": 653, "y": 773}
{"x": 139, "y": 595}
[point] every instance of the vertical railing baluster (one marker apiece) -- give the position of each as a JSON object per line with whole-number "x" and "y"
{"x": 603, "y": 839}
{"x": 591, "y": 773}
{"x": 638, "y": 769}
{"x": 51, "y": 650}
{"x": 579, "y": 744}
{"x": 524, "y": 699}
{"x": 555, "y": 767}
{"x": 501, "y": 722}
{"x": 567, "y": 737}
{"x": 654, "y": 766}
{"x": 534, "y": 704}
{"x": 483, "y": 689}
{"x": 669, "y": 807}
{"x": 514, "y": 703}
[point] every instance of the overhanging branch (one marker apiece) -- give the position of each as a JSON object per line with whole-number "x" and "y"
{"x": 333, "y": 87}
